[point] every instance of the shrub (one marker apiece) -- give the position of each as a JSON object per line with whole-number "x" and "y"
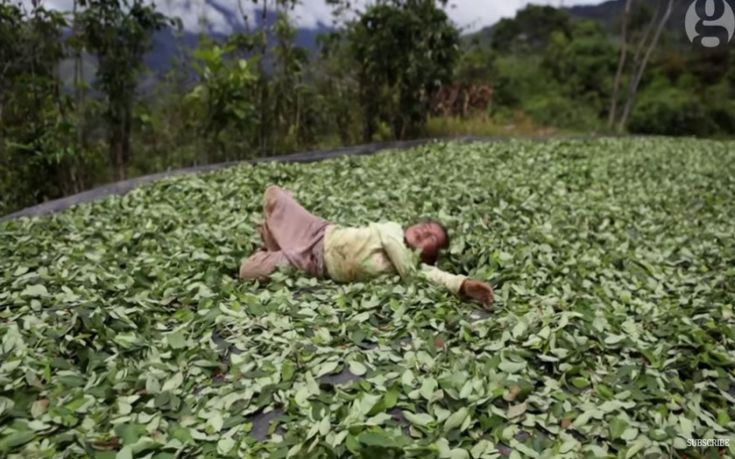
{"x": 722, "y": 114}
{"x": 562, "y": 112}
{"x": 671, "y": 111}
{"x": 721, "y": 107}
{"x": 520, "y": 78}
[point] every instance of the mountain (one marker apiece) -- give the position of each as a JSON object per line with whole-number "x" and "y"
{"x": 608, "y": 13}
{"x": 168, "y": 44}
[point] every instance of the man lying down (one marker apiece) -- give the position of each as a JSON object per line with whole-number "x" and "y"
{"x": 293, "y": 236}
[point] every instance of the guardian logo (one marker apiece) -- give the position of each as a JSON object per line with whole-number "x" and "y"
{"x": 710, "y": 23}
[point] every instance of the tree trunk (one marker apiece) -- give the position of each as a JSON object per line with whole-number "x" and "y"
{"x": 79, "y": 99}
{"x": 298, "y": 117}
{"x": 370, "y": 125}
{"x": 116, "y": 154}
{"x": 264, "y": 118}
{"x": 621, "y": 64}
{"x": 118, "y": 148}
{"x": 263, "y": 83}
{"x": 79, "y": 91}
{"x": 633, "y": 88}
{"x": 127, "y": 153}
{"x": 642, "y": 43}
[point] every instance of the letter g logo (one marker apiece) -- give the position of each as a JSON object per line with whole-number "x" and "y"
{"x": 710, "y": 23}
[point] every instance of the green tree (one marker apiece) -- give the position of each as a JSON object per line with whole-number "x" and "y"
{"x": 646, "y": 46}
{"x": 289, "y": 89}
{"x": 530, "y": 30}
{"x": 476, "y": 64}
{"x": 119, "y": 33}
{"x": 583, "y": 63}
{"x": 37, "y": 141}
{"x": 223, "y": 103}
{"x": 404, "y": 50}
{"x": 258, "y": 42}
{"x": 334, "y": 76}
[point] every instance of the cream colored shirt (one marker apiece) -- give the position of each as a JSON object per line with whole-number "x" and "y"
{"x": 363, "y": 253}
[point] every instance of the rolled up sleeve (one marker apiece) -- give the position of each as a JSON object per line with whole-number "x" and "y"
{"x": 453, "y": 282}
{"x": 403, "y": 259}
{"x": 406, "y": 261}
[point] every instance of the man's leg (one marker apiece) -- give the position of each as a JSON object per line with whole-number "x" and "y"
{"x": 269, "y": 243}
{"x": 293, "y": 230}
{"x": 270, "y": 202}
{"x": 274, "y": 196}
{"x": 261, "y": 264}
{"x": 287, "y": 224}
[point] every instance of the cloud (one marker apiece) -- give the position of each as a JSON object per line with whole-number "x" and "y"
{"x": 470, "y": 15}
{"x": 311, "y": 14}
{"x": 220, "y": 15}
{"x": 191, "y": 13}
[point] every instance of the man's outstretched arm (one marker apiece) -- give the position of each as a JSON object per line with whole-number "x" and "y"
{"x": 406, "y": 261}
{"x": 461, "y": 285}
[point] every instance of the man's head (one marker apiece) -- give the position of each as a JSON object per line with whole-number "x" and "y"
{"x": 430, "y": 237}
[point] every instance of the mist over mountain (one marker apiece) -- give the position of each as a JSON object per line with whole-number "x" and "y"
{"x": 171, "y": 44}
{"x": 168, "y": 43}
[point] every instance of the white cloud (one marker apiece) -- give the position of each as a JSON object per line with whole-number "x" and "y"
{"x": 190, "y": 13}
{"x": 470, "y": 15}
{"x": 312, "y": 13}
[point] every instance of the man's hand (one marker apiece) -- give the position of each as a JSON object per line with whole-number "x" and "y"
{"x": 478, "y": 291}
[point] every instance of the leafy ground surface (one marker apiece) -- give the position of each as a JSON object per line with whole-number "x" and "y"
{"x": 125, "y": 333}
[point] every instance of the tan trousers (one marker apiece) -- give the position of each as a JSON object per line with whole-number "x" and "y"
{"x": 291, "y": 236}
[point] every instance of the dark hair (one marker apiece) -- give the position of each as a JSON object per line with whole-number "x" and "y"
{"x": 430, "y": 258}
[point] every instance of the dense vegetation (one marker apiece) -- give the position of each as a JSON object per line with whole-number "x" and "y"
{"x": 78, "y": 107}
{"x": 125, "y": 332}
{"x": 562, "y": 72}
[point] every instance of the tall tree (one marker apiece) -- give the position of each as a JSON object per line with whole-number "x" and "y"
{"x": 621, "y": 63}
{"x": 288, "y": 87}
{"x": 76, "y": 43}
{"x": 404, "y": 50}
{"x": 530, "y": 30}
{"x": 640, "y": 64}
{"x": 258, "y": 42}
{"x": 223, "y": 100}
{"x": 334, "y": 74}
{"x": 36, "y": 132}
{"x": 119, "y": 33}
{"x": 585, "y": 64}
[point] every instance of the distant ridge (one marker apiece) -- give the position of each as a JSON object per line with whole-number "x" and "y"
{"x": 169, "y": 45}
{"x": 608, "y": 14}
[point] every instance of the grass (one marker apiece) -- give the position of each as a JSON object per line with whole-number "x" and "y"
{"x": 125, "y": 333}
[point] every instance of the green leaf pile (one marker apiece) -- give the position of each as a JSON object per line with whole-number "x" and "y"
{"x": 124, "y": 331}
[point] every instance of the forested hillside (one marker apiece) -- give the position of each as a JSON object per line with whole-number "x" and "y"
{"x": 115, "y": 89}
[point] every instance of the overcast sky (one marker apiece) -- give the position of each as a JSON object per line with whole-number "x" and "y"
{"x": 468, "y": 14}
